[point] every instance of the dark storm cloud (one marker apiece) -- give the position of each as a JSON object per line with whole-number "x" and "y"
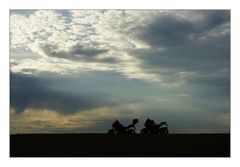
{"x": 167, "y": 30}
{"x": 201, "y": 64}
{"x": 76, "y": 53}
{"x": 180, "y": 53}
{"x": 202, "y": 56}
{"x": 213, "y": 18}
{"x": 170, "y": 30}
{"x": 203, "y": 67}
{"x": 33, "y": 92}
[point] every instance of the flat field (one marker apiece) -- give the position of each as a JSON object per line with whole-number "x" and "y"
{"x": 103, "y": 145}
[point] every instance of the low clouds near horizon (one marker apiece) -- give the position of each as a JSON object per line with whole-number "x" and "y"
{"x": 86, "y": 68}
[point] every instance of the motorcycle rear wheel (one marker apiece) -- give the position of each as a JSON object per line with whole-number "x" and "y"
{"x": 163, "y": 131}
{"x": 131, "y": 131}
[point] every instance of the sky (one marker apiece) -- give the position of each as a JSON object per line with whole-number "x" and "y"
{"x": 76, "y": 71}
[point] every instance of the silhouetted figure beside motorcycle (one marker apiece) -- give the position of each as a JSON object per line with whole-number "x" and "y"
{"x": 118, "y": 128}
{"x": 152, "y": 128}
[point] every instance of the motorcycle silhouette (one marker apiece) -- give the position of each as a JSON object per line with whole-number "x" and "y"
{"x": 152, "y": 128}
{"x": 118, "y": 128}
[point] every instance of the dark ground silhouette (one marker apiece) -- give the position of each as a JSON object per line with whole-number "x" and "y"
{"x": 104, "y": 145}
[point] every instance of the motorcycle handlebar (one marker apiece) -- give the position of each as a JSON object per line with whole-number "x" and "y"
{"x": 163, "y": 123}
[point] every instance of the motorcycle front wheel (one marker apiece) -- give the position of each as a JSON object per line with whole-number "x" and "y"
{"x": 111, "y": 132}
{"x": 145, "y": 131}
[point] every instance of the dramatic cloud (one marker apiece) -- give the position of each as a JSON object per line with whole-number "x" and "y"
{"x": 76, "y": 53}
{"x": 100, "y": 38}
{"x": 165, "y": 64}
{"x": 167, "y": 30}
{"x": 42, "y": 93}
